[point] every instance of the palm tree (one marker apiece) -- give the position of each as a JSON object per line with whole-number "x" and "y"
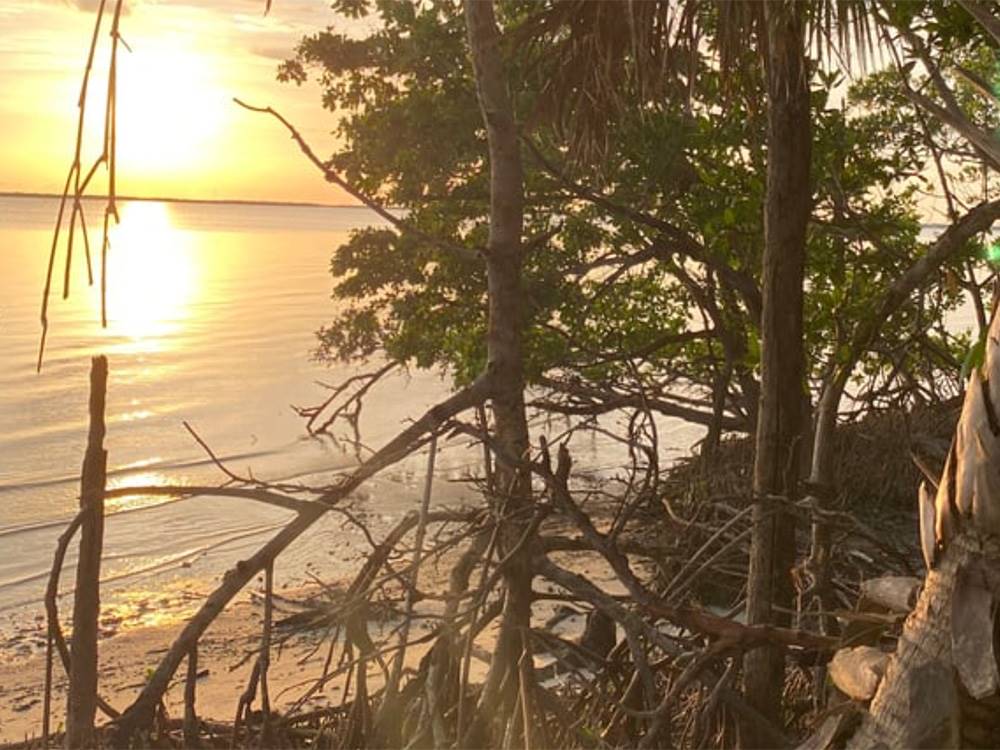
{"x": 603, "y": 46}
{"x": 941, "y": 686}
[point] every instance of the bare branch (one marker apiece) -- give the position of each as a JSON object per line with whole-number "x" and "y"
{"x": 140, "y": 713}
{"x": 191, "y": 490}
{"x": 332, "y": 176}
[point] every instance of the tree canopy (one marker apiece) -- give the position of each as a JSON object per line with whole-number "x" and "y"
{"x": 641, "y": 269}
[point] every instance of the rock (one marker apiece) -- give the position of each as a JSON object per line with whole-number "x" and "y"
{"x": 857, "y": 671}
{"x": 894, "y": 593}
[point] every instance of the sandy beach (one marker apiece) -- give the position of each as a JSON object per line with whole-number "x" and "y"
{"x": 225, "y": 661}
{"x": 122, "y": 657}
{"x": 228, "y": 649}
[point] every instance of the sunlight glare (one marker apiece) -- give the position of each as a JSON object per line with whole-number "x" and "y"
{"x": 136, "y": 479}
{"x": 152, "y": 276}
{"x": 171, "y": 110}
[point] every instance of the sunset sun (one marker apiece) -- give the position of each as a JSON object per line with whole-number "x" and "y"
{"x": 152, "y": 276}
{"x": 172, "y": 110}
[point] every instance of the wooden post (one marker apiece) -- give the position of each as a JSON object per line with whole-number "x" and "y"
{"x": 82, "y": 704}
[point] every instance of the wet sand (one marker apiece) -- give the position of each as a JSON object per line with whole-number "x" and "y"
{"x": 125, "y": 659}
{"x": 129, "y": 649}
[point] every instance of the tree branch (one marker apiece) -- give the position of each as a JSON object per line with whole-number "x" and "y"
{"x": 332, "y": 176}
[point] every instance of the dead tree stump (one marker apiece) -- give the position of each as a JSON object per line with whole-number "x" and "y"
{"x": 82, "y": 702}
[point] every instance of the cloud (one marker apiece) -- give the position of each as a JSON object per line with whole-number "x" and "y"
{"x": 279, "y": 54}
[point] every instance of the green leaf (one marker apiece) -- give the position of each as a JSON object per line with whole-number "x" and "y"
{"x": 975, "y": 357}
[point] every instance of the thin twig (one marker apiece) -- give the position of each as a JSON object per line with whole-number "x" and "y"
{"x": 333, "y": 176}
{"x": 190, "y": 728}
{"x": 76, "y": 183}
{"x": 418, "y": 551}
{"x": 265, "y": 651}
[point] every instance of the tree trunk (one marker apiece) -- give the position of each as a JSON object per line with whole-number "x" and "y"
{"x": 505, "y": 359}
{"x": 941, "y": 686}
{"x": 82, "y": 703}
{"x": 720, "y": 390}
{"x": 917, "y": 704}
{"x": 821, "y": 480}
{"x": 779, "y": 425}
{"x": 821, "y": 477}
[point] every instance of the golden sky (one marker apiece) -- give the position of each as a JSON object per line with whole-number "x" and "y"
{"x": 180, "y": 134}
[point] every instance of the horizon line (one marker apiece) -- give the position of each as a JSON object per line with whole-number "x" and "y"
{"x": 241, "y": 202}
{"x": 166, "y": 199}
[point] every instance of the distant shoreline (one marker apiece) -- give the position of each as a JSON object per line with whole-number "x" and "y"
{"x": 247, "y": 202}
{"x": 210, "y": 201}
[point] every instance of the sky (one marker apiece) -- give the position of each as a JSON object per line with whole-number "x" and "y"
{"x": 179, "y": 133}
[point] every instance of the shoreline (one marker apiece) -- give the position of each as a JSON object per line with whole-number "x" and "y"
{"x": 223, "y": 670}
{"x": 227, "y": 652}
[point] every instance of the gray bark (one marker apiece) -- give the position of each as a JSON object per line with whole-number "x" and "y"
{"x": 505, "y": 357}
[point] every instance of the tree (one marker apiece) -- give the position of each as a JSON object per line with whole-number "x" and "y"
{"x": 666, "y": 223}
{"x": 503, "y": 255}
{"x": 780, "y": 425}
{"x": 782, "y": 29}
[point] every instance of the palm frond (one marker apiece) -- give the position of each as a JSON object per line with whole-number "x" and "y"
{"x": 599, "y": 56}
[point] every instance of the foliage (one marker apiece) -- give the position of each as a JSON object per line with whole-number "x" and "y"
{"x": 662, "y": 236}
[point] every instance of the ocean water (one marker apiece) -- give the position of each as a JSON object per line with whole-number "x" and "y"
{"x": 212, "y": 313}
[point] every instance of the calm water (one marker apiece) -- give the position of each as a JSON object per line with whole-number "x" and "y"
{"x": 212, "y": 312}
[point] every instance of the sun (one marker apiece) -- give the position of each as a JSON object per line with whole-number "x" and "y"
{"x": 172, "y": 111}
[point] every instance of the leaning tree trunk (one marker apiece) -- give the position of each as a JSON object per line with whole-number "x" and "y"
{"x": 505, "y": 361}
{"x": 942, "y": 686}
{"x": 779, "y": 424}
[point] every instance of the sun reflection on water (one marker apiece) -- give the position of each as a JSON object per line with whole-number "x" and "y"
{"x": 140, "y": 607}
{"x": 152, "y": 278}
{"x": 135, "y": 479}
